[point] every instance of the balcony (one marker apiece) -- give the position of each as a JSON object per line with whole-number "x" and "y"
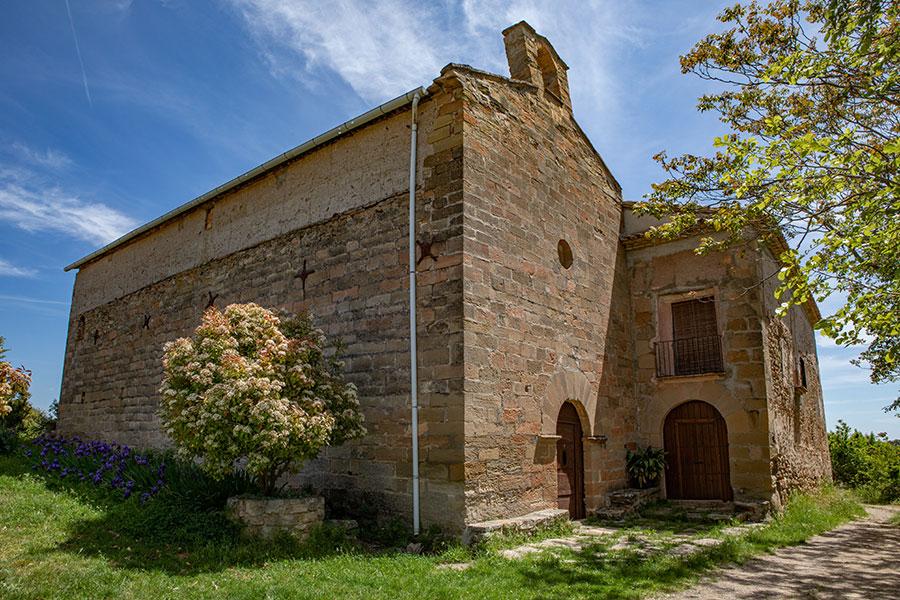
{"x": 689, "y": 356}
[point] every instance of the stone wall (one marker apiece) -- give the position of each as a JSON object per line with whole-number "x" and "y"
{"x": 799, "y": 441}
{"x": 355, "y": 170}
{"x": 267, "y": 517}
{"x": 349, "y": 271}
{"x": 663, "y": 272}
{"x": 536, "y": 333}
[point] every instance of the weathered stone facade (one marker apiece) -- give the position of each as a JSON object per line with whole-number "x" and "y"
{"x": 535, "y": 287}
{"x": 754, "y": 393}
{"x": 798, "y": 439}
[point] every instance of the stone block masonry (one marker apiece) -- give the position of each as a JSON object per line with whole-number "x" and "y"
{"x": 350, "y": 273}
{"x": 267, "y": 517}
{"x": 538, "y": 333}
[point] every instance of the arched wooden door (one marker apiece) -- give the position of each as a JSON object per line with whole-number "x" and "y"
{"x": 696, "y": 441}
{"x": 570, "y": 462}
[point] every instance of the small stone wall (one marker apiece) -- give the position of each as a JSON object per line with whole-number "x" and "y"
{"x": 265, "y": 517}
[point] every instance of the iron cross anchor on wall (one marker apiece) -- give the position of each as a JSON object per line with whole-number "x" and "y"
{"x": 303, "y": 275}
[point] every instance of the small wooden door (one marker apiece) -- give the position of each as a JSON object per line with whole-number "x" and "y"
{"x": 570, "y": 462}
{"x": 696, "y": 441}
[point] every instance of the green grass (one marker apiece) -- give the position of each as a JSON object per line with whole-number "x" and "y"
{"x": 70, "y": 542}
{"x": 663, "y": 517}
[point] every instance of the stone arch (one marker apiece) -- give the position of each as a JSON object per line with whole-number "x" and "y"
{"x": 572, "y": 386}
{"x": 652, "y": 419}
{"x": 549, "y": 71}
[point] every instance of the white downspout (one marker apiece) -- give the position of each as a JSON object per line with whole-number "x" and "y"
{"x": 413, "y": 374}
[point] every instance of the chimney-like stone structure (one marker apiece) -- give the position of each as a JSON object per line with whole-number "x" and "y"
{"x": 532, "y": 58}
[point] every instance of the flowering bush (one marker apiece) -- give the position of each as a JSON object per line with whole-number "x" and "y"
{"x": 14, "y": 384}
{"x": 251, "y": 388}
{"x": 101, "y": 463}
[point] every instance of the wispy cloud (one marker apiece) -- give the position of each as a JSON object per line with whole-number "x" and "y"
{"x": 838, "y": 372}
{"x": 382, "y": 49}
{"x": 28, "y": 300}
{"x": 49, "y": 158}
{"x": 32, "y": 206}
{"x": 379, "y": 49}
{"x": 87, "y": 90}
{"x": 39, "y": 306}
{"x": 8, "y": 269}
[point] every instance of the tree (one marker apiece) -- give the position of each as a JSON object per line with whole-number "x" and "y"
{"x": 14, "y": 384}
{"x": 811, "y": 95}
{"x": 254, "y": 389}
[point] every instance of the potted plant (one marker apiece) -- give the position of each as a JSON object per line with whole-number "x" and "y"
{"x": 645, "y": 466}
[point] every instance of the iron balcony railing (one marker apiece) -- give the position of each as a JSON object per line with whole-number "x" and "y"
{"x": 689, "y": 356}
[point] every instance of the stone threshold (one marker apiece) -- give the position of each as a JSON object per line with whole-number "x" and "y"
{"x": 476, "y": 532}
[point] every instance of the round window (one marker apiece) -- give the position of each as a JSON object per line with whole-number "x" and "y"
{"x": 565, "y": 253}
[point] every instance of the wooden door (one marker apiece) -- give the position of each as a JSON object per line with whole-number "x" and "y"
{"x": 570, "y": 462}
{"x": 696, "y": 442}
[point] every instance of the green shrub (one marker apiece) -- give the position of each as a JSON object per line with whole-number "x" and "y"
{"x": 868, "y": 463}
{"x": 645, "y": 466}
{"x": 9, "y": 441}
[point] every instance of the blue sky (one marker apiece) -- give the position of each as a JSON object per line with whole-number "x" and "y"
{"x": 113, "y": 112}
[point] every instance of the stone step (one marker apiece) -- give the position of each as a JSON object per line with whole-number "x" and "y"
{"x": 621, "y": 503}
{"x": 709, "y": 505}
{"x": 476, "y": 532}
{"x": 613, "y": 513}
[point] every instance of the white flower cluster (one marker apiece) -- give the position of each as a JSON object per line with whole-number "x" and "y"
{"x": 242, "y": 390}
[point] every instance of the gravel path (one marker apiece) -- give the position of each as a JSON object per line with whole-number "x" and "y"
{"x": 858, "y": 560}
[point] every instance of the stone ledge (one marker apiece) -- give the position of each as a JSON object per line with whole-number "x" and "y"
{"x": 624, "y": 502}
{"x": 267, "y": 517}
{"x": 689, "y": 378}
{"x": 476, "y": 532}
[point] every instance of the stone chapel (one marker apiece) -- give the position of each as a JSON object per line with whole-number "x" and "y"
{"x": 552, "y": 334}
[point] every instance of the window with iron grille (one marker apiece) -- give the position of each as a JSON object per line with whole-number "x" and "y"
{"x": 695, "y": 347}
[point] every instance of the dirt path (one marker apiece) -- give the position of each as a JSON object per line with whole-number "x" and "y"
{"x": 858, "y": 560}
